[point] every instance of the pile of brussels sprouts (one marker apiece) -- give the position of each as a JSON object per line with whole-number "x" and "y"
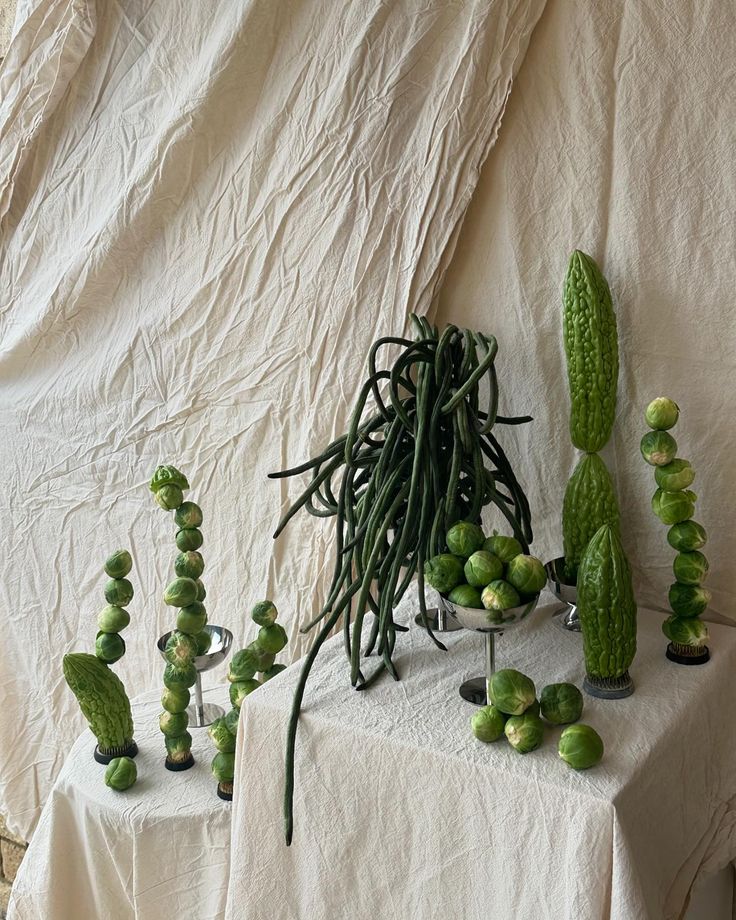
{"x": 112, "y": 619}
{"x": 674, "y": 505}
{"x": 479, "y": 571}
{"x": 515, "y": 711}
{"x": 256, "y": 658}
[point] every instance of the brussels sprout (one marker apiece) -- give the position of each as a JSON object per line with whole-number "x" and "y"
{"x": 443, "y": 572}
{"x": 188, "y": 514}
{"x": 112, "y": 619}
{"x": 511, "y": 691}
{"x": 499, "y": 595}
{"x": 464, "y": 539}
{"x": 119, "y": 592}
{"x": 223, "y": 767}
{"x": 688, "y": 600}
{"x": 534, "y": 709}
{"x": 243, "y": 665}
{"x": 264, "y": 613}
{"x": 231, "y": 720}
{"x": 272, "y": 672}
{"x": 658, "y": 448}
{"x": 662, "y": 413}
{"x": 192, "y": 619}
{"x": 673, "y": 507}
{"x": 204, "y": 641}
{"x": 165, "y": 475}
{"x": 189, "y": 565}
{"x": 524, "y": 733}
{"x": 487, "y": 724}
{"x": 180, "y": 650}
{"x": 121, "y": 773}
{"x": 272, "y": 639}
{"x": 188, "y": 538}
{"x": 526, "y": 574}
{"x": 264, "y": 660}
{"x": 178, "y": 747}
{"x": 675, "y": 475}
{"x": 109, "y": 647}
{"x": 503, "y": 547}
{"x": 686, "y": 631}
{"x": 178, "y": 678}
{"x": 180, "y": 592}
{"x": 169, "y": 497}
{"x": 580, "y": 746}
{"x": 466, "y": 596}
{"x": 118, "y": 564}
{"x": 690, "y": 568}
{"x": 687, "y": 536}
{"x": 561, "y": 703}
{"x": 222, "y": 737}
{"x": 482, "y": 568}
{"x": 175, "y": 700}
{"x": 656, "y": 499}
{"x": 201, "y": 592}
{"x": 241, "y": 689}
{"x": 173, "y": 723}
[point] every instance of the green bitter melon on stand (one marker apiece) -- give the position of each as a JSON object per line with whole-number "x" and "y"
{"x": 589, "y": 503}
{"x": 102, "y": 699}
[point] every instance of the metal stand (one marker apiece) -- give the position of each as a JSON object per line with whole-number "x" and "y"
{"x": 106, "y": 756}
{"x": 202, "y": 714}
{"x": 225, "y": 791}
{"x": 679, "y": 657}
{"x": 475, "y": 690}
{"x": 609, "y": 688}
{"x": 567, "y": 618}
{"x": 438, "y": 620}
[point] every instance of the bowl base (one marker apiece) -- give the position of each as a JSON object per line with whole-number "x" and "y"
{"x": 210, "y": 713}
{"x": 567, "y": 618}
{"x": 438, "y": 623}
{"x": 681, "y": 657}
{"x": 105, "y": 757}
{"x": 474, "y": 691}
{"x": 609, "y": 688}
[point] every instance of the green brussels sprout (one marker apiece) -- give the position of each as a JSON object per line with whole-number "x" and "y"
{"x": 241, "y": 689}
{"x": 688, "y": 600}
{"x": 121, "y": 773}
{"x": 232, "y": 719}
{"x": 243, "y": 665}
{"x": 686, "y": 631}
{"x": 443, "y": 572}
{"x": 169, "y": 497}
{"x": 482, "y": 568}
{"x": 180, "y": 650}
{"x": 526, "y": 574}
{"x": 580, "y": 746}
{"x": 264, "y": 613}
{"x": 687, "y": 536}
{"x": 119, "y": 592}
{"x": 272, "y": 639}
{"x": 188, "y": 514}
{"x": 463, "y": 539}
{"x": 201, "y": 592}
{"x": 534, "y": 709}
{"x": 500, "y": 595}
{"x": 168, "y": 475}
{"x": 118, "y": 564}
{"x": 188, "y": 538}
{"x": 178, "y": 747}
{"x": 272, "y": 672}
{"x": 503, "y": 547}
{"x": 180, "y": 592}
{"x": 466, "y": 596}
{"x": 561, "y": 703}
{"x": 487, "y": 724}
{"x": 192, "y": 619}
{"x": 109, "y": 647}
{"x": 204, "y": 641}
{"x": 662, "y": 413}
{"x": 673, "y": 507}
{"x": 223, "y": 767}
{"x": 658, "y": 448}
{"x": 674, "y": 476}
{"x": 690, "y": 568}
{"x": 173, "y": 723}
{"x": 221, "y": 736}
{"x": 112, "y": 619}
{"x": 511, "y": 691}
{"x": 175, "y": 700}
{"x": 189, "y": 565}
{"x": 524, "y": 733}
{"x": 178, "y": 678}
{"x": 264, "y": 659}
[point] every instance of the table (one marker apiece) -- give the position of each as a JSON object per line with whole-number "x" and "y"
{"x": 401, "y": 813}
{"x": 158, "y": 850}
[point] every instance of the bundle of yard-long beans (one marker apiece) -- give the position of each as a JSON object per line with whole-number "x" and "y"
{"x": 407, "y": 469}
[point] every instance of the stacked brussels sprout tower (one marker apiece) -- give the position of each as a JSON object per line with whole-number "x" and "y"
{"x": 674, "y": 504}
{"x": 186, "y": 592}
{"x": 256, "y": 658}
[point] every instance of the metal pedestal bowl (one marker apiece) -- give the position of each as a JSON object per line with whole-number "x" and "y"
{"x": 566, "y": 616}
{"x": 491, "y": 623}
{"x": 202, "y": 714}
{"x": 438, "y": 620}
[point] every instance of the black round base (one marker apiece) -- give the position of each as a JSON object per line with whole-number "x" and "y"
{"x": 104, "y": 757}
{"x": 609, "y": 688}
{"x": 474, "y": 691}
{"x": 688, "y": 659}
{"x": 224, "y": 795}
{"x": 178, "y": 767}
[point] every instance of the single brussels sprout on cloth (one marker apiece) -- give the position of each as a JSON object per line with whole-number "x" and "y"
{"x": 511, "y": 691}
{"x": 231, "y": 720}
{"x": 173, "y": 723}
{"x": 180, "y": 592}
{"x": 525, "y": 732}
{"x": 176, "y": 699}
{"x": 168, "y": 475}
{"x": 463, "y": 539}
{"x": 118, "y": 564}
{"x": 487, "y": 724}
{"x": 178, "y": 678}
{"x": 482, "y": 568}
{"x": 178, "y": 747}
{"x": 181, "y": 649}
{"x": 526, "y": 574}
{"x": 204, "y": 641}
{"x": 686, "y": 631}
{"x": 189, "y": 565}
{"x": 112, "y": 619}
{"x": 221, "y": 736}
{"x": 658, "y": 448}
{"x": 169, "y": 497}
{"x": 188, "y": 514}
{"x": 443, "y": 572}
{"x": 121, "y": 773}
{"x": 561, "y": 703}
{"x": 688, "y": 600}
{"x": 466, "y": 596}
{"x": 119, "y": 592}
{"x": 687, "y": 536}
{"x": 500, "y": 595}
{"x": 503, "y": 547}
{"x": 580, "y": 746}
{"x": 690, "y": 568}
{"x": 188, "y": 538}
{"x": 244, "y": 664}
{"x": 192, "y": 619}
{"x": 673, "y": 507}
{"x": 109, "y": 647}
{"x": 264, "y": 613}
{"x": 272, "y": 672}
{"x": 272, "y": 639}
{"x": 662, "y": 413}
{"x": 201, "y": 592}
{"x": 223, "y": 767}
{"x": 674, "y": 476}
{"x": 241, "y": 689}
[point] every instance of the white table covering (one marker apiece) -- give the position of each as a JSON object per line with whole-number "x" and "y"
{"x": 157, "y": 850}
{"x": 400, "y": 813}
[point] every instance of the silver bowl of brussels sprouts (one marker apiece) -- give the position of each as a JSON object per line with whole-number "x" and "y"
{"x": 202, "y": 714}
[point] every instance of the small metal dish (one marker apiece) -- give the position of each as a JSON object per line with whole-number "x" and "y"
{"x": 566, "y": 616}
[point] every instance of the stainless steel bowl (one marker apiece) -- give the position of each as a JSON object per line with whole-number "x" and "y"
{"x": 489, "y": 621}
{"x": 566, "y": 616}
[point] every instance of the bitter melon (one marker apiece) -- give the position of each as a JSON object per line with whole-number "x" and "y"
{"x": 589, "y": 503}
{"x": 102, "y": 699}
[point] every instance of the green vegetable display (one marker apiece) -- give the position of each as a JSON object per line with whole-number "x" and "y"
{"x": 580, "y": 746}
{"x": 181, "y": 592}
{"x": 109, "y": 647}
{"x": 561, "y": 703}
{"x": 102, "y": 699}
{"x": 466, "y": 596}
{"x": 121, "y": 773}
{"x": 192, "y": 619}
{"x": 589, "y": 503}
{"x": 176, "y": 699}
{"x": 222, "y": 737}
{"x": 687, "y": 536}
{"x": 678, "y": 474}
{"x": 444, "y": 572}
{"x": 173, "y": 723}
{"x": 511, "y": 692}
{"x": 264, "y": 613}
{"x": 662, "y": 413}
{"x": 464, "y": 539}
{"x": 112, "y": 619}
{"x": 488, "y": 723}
{"x": 482, "y": 568}
{"x": 690, "y": 568}
{"x": 188, "y": 539}
{"x": 658, "y": 448}
{"x": 188, "y": 515}
{"x": 686, "y": 632}
{"x": 525, "y": 732}
{"x": 505, "y": 548}
{"x": 688, "y": 600}
{"x": 118, "y": 564}
{"x": 500, "y": 595}
{"x": 526, "y": 574}
{"x": 179, "y": 749}
{"x": 673, "y": 507}
{"x": 181, "y": 650}
{"x": 189, "y": 565}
